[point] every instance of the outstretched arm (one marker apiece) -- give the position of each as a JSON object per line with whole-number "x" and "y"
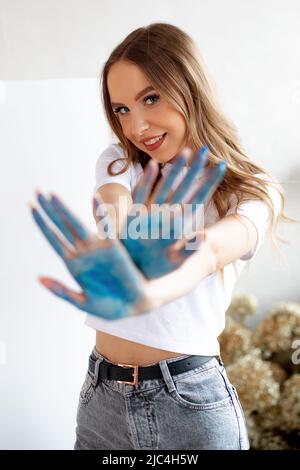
{"x": 112, "y": 286}
{"x": 157, "y": 225}
{"x": 225, "y": 241}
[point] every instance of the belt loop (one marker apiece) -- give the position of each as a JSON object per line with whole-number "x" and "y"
{"x": 96, "y": 371}
{"x": 166, "y": 375}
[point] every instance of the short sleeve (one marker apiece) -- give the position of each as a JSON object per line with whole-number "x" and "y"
{"x": 258, "y": 212}
{"x": 111, "y": 153}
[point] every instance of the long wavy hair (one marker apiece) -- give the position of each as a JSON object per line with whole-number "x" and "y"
{"x": 173, "y": 64}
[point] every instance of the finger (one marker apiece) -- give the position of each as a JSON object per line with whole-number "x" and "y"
{"x": 59, "y": 246}
{"x": 78, "y": 230}
{"x": 55, "y": 216}
{"x": 60, "y": 290}
{"x": 164, "y": 187}
{"x": 197, "y": 166}
{"x": 206, "y": 190}
{"x": 144, "y": 186}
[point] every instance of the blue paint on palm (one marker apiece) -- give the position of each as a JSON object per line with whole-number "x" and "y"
{"x": 154, "y": 255}
{"x": 150, "y": 250}
{"x": 110, "y": 285}
{"x": 110, "y": 282}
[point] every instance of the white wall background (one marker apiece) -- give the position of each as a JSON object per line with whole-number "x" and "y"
{"x": 52, "y": 130}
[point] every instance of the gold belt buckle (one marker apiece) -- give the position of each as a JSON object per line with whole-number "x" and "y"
{"x": 135, "y": 374}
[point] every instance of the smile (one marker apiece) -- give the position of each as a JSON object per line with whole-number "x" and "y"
{"x": 155, "y": 143}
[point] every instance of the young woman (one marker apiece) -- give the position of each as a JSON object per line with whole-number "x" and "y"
{"x": 156, "y": 380}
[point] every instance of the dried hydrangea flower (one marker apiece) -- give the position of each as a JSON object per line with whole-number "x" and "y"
{"x": 276, "y": 331}
{"x": 273, "y": 440}
{"x": 254, "y": 381}
{"x": 242, "y": 306}
{"x": 270, "y": 418}
{"x": 279, "y": 374}
{"x": 290, "y": 403}
{"x": 254, "y": 431}
{"x": 235, "y": 341}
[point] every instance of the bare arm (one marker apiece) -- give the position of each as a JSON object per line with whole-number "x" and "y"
{"x": 227, "y": 240}
{"x": 88, "y": 258}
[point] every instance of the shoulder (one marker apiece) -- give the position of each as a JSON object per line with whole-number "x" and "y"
{"x": 116, "y": 152}
{"x": 115, "y": 159}
{"x": 255, "y": 209}
{"x": 271, "y": 185}
{"x": 111, "y": 153}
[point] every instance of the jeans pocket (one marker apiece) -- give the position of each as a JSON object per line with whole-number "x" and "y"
{"x": 87, "y": 389}
{"x": 202, "y": 390}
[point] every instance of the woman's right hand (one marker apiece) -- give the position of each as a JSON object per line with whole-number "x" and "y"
{"x": 112, "y": 286}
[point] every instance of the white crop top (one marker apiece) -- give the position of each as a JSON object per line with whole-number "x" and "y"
{"x": 192, "y": 323}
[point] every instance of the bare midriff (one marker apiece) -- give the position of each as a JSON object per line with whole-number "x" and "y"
{"x": 121, "y": 351}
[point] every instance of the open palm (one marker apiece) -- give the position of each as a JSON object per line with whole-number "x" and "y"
{"x": 112, "y": 286}
{"x": 156, "y": 238}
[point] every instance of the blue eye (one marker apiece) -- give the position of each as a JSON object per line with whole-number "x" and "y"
{"x": 149, "y": 97}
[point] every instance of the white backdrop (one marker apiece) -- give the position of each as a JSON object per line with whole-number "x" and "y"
{"x": 52, "y": 130}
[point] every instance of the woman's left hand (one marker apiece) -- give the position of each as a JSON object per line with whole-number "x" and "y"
{"x": 165, "y": 217}
{"x": 112, "y": 286}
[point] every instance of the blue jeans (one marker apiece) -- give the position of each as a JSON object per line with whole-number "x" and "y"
{"x": 197, "y": 409}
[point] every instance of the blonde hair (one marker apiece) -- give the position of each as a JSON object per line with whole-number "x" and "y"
{"x": 173, "y": 64}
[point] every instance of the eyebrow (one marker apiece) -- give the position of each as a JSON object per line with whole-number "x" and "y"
{"x": 141, "y": 93}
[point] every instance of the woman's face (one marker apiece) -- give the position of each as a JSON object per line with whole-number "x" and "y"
{"x": 144, "y": 113}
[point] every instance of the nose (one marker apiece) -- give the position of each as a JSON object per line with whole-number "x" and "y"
{"x": 139, "y": 125}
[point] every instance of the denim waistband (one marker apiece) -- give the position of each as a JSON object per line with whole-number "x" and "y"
{"x": 144, "y": 384}
{"x": 98, "y": 355}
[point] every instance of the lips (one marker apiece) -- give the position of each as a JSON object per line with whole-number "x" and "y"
{"x": 156, "y": 144}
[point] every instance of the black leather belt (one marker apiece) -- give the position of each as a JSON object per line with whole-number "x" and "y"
{"x": 132, "y": 374}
